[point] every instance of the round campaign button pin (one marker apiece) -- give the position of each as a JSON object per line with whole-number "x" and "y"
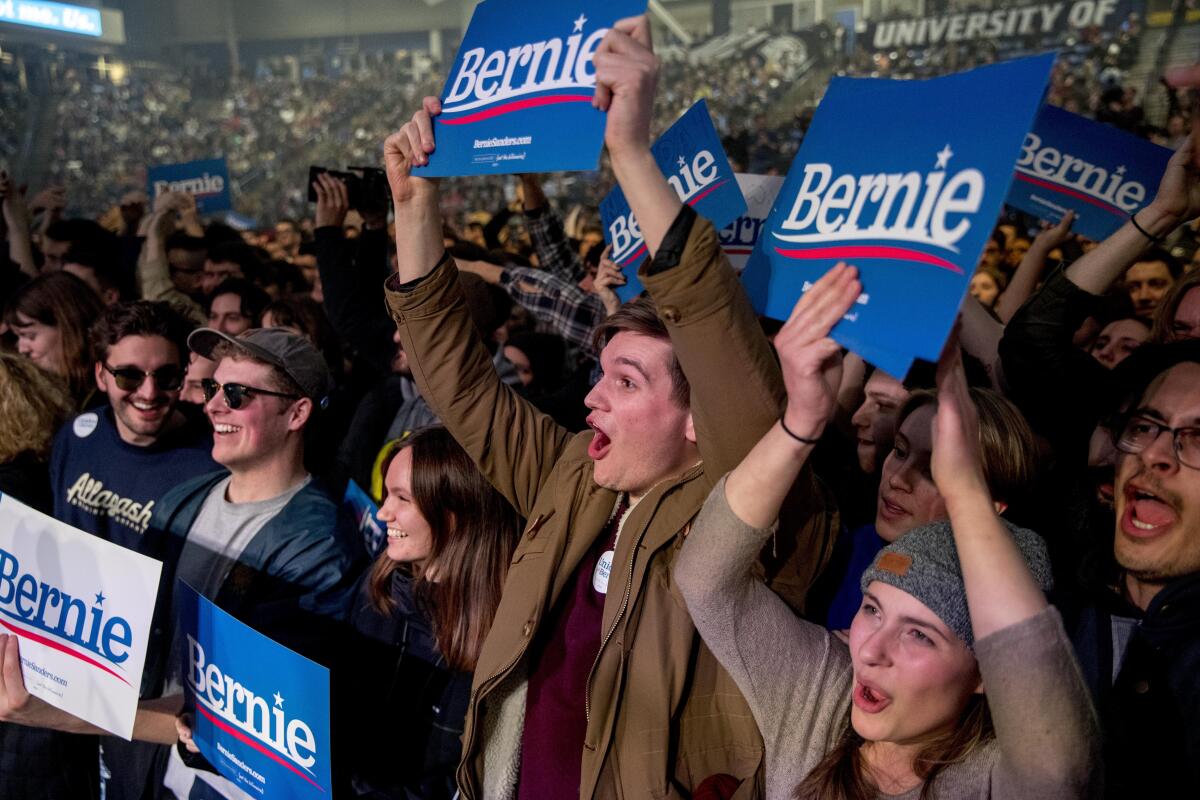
{"x": 85, "y": 424}
{"x": 602, "y": 571}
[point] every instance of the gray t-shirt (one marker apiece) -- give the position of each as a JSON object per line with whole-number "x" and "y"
{"x": 214, "y": 544}
{"x": 220, "y": 534}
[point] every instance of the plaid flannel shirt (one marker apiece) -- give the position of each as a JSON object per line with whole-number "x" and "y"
{"x": 558, "y": 304}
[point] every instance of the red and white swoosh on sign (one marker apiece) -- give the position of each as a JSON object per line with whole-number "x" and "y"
{"x": 516, "y": 105}
{"x": 249, "y": 741}
{"x": 62, "y": 648}
{"x": 1054, "y": 187}
{"x": 864, "y": 252}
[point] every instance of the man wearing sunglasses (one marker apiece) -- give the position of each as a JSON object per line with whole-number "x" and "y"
{"x": 110, "y": 466}
{"x": 259, "y": 537}
{"x": 1138, "y": 636}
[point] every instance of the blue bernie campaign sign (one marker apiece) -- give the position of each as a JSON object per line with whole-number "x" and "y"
{"x": 206, "y": 180}
{"x": 519, "y": 96}
{"x": 261, "y": 712}
{"x": 364, "y": 510}
{"x": 691, "y": 158}
{"x": 1070, "y": 163}
{"x": 903, "y": 179}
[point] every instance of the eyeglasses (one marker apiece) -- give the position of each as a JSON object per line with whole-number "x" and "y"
{"x": 1139, "y": 432}
{"x": 236, "y": 393}
{"x": 130, "y": 379}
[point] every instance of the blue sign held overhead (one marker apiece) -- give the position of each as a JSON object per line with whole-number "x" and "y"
{"x": 519, "y": 96}
{"x": 905, "y": 180}
{"x": 691, "y": 158}
{"x": 206, "y": 180}
{"x": 1069, "y": 163}
{"x": 261, "y": 712}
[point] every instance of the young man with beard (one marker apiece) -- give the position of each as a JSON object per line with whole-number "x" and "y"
{"x": 1139, "y": 639}
{"x": 592, "y": 681}
{"x": 109, "y": 467}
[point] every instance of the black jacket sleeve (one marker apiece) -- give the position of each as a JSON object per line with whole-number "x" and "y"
{"x": 350, "y": 271}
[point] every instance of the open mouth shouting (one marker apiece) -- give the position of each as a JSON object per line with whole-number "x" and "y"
{"x": 1146, "y": 513}
{"x": 600, "y": 444}
{"x": 870, "y": 699}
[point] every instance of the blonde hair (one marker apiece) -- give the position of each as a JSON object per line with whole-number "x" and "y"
{"x": 33, "y": 403}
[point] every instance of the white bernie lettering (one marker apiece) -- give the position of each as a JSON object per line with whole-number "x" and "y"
{"x": 485, "y": 78}
{"x": 905, "y": 206}
{"x": 225, "y": 696}
{"x": 1063, "y": 169}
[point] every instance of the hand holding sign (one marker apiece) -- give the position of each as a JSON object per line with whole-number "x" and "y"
{"x": 408, "y": 147}
{"x": 810, "y": 360}
{"x": 1178, "y": 197}
{"x": 22, "y": 708}
{"x": 626, "y": 74}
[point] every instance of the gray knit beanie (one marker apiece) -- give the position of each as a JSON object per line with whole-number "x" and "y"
{"x": 924, "y": 563}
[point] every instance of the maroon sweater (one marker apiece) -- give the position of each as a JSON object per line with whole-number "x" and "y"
{"x": 555, "y": 722}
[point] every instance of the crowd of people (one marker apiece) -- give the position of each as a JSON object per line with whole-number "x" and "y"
{"x": 658, "y": 548}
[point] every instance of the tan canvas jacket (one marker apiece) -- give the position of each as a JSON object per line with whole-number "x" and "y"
{"x": 662, "y": 713}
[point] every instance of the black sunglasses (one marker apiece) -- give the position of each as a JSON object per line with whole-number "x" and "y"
{"x": 130, "y": 379}
{"x": 236, "y": 393}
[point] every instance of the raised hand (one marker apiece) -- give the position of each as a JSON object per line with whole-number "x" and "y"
{"x": 410, "y": 147}
{"x": 1178, "y": 196}
{"x": 52, "y": 198}
{"x": 1053, "y": 236}
{"x": 956, "y": 462}
{"x": 333, "y": 201}
{"x": 608, "y": 276}
{"x": 626, "y": 74}
{"x": 811, "y": 361}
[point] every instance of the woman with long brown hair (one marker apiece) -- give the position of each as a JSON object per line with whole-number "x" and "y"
{"x": 51, "y": 316}
{"x": 426, "y": 605}
{"x": 958, "y": 679}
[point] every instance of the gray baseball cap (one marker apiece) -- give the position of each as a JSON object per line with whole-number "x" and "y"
{"x": 924, "y": 563}
{"x": 279, "y": 347}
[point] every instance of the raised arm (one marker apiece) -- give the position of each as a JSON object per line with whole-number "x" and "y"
{"x": 514, "y": 444}
{"x": 736, "y": 390}
{"x": 419, "y": 244}
{"x": 1177, "y": 202}
{"x": 1046, "y": 727}
{"x": 1033, "y": 264}
{"x": 16, "y": 224}
{"x": 1000, "y": 589}
{"x": 555, "y": 253}
{"x": 626, "y": 74}
{"x": 783, "y": 665}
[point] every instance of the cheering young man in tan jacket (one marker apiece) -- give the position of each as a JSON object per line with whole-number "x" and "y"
{"x": 592, "y": 681}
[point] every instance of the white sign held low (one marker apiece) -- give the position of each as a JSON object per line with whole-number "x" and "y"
{"x": 81, "y": 608}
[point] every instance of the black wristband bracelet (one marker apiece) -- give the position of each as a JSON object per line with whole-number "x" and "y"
{"x": 800, "y": 439}
{"x": 1143, "y": 231}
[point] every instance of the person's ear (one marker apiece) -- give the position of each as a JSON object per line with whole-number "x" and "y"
{"x": 689, "y": 429}
{"x": 101, "y": 375}
{"x": 300, "y": 413}
{"x": 1000, "y": 506}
